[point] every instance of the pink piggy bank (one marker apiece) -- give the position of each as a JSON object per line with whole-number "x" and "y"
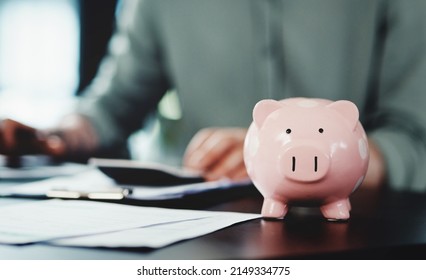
{"x": 306, "y": 151}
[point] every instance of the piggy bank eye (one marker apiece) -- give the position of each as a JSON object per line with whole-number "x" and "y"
{"x": 288, "y": 131}
{"x": 321, "y": 130}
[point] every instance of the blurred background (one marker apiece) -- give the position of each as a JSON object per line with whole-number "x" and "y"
{"x": 49, "y": 52}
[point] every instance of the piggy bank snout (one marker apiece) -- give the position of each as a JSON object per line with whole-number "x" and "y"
{"x": 305, "y": 163}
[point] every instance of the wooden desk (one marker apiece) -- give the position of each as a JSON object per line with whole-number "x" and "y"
{"x": 384, "y": 225}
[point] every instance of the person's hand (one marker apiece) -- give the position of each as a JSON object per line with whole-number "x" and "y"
{"x": 77, "y": 136}
{"x": 217, "y": 153}
{"x": 19, "y": 139}
{"x": 74, "y": 137}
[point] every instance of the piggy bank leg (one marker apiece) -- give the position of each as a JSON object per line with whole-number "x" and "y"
{"x": 274, "y": 209}
{"x": 337, "y": 211}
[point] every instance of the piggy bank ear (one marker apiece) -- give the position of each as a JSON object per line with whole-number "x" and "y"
{"x": 348, "y": 110}
{"x": 262, "y": 109}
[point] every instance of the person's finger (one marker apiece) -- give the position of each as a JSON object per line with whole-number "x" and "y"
{"x": 240, "y": 174}
{"x": 76, "y": 136}
{"x": 211, "y": 151}
{"x": 55, "y": 146}
{"x": 19, "y": 139}
{"x": 12, "y": 130}
{"x": 226, "y": 165}
{"x": 88, "y": 140}
{"x": 194, "y": 145}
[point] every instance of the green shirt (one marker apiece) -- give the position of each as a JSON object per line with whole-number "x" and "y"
{"x": 223, "y": 56}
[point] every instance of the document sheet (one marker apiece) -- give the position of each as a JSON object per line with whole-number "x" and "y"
{"x": 36, "y": 168}
{"x": 161, "y": 235}
{"x": 95, "y": 182}
{"x": 107, "y": 224}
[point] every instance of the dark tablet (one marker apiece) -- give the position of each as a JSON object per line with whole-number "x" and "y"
{"x": 131, "y": 172}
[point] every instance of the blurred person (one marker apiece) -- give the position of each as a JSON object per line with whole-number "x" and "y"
{"x": 223, "y": 56}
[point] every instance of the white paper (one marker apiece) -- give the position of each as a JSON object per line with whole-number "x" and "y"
{"x": 96, "y": 182}
{"x": 38, "y": 167}
{"x": 88, "y": 181}
{"x": 159, "y": 235}
{"x": 52, "y": 219}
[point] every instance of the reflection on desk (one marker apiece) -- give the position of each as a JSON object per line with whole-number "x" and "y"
{"x": 386, "y": 225}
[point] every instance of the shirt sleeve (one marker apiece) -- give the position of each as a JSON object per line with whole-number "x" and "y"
{"x": 130, "y": 81}
{"x": 400, "y": 121}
